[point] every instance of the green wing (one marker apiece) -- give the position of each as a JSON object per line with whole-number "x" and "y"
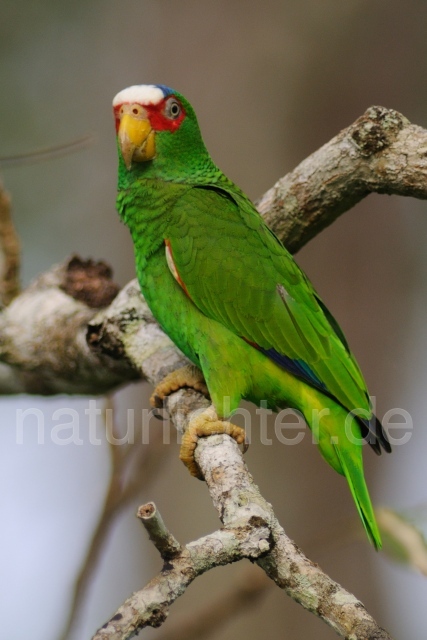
{"x": 237, "y": 272}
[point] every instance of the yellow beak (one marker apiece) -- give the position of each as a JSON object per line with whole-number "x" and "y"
{"x": 136, "y": 140}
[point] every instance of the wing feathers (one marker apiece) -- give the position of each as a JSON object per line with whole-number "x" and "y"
{"x": 247, "y": 280}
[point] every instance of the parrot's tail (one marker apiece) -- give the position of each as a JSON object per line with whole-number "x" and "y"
{"x": 342, "y": 449}
{"x": 356, "y": 481}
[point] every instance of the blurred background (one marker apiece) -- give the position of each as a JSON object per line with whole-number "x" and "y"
{"x": 271, "y": 81}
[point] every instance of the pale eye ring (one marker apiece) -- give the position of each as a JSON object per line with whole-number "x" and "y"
{"x": 173, "y": 109}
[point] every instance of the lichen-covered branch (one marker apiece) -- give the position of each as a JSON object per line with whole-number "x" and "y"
{"x": 235, "y": 496}
{"x": 250, "y": 530}
{"x": 149, "y": 607}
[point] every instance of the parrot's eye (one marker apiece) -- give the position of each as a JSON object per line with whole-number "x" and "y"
{"x": 173, "y": 109}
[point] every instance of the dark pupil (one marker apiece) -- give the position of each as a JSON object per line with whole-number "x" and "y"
{"x": 174, "y": 109}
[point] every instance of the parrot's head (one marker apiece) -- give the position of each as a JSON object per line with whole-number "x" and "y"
{"x": 157, "y": 126}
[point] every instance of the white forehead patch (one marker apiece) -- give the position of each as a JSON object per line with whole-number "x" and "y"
{"x": 140, "y": 93}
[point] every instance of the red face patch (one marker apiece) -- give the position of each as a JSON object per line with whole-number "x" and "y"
{"x": 167, "y": 115}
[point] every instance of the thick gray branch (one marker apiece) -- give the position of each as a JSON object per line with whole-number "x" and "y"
{"x": 381, "y": 152}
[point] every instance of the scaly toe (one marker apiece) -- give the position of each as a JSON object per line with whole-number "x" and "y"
{"x": 203, "y": 426}
{"x": 186, "y": 377}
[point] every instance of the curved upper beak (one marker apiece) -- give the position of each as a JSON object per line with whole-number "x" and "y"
{"x": 136, "y": 139}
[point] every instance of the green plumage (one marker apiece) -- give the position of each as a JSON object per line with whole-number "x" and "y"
{"x": 241, "y": 309}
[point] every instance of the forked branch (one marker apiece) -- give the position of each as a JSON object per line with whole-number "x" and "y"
{"x": 250, "y": 530}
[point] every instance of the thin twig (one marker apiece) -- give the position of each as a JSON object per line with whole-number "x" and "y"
{"x": 166, "y": 544}
{"x": 49, "y": 153}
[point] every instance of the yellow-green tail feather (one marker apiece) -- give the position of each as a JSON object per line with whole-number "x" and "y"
{"x": 359, "y": 491}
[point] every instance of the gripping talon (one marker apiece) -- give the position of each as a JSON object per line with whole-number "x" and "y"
{"x": 206, "y": 424}
{"x": 186, "y": 377}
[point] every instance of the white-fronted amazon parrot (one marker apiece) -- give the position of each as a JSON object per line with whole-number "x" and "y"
{"x": 229, "y": 294}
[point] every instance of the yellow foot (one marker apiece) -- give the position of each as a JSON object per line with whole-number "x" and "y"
{"x": 206, "y": 424}
{"x": 188, "y": 376}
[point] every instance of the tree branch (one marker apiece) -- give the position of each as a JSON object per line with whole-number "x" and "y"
{"x": 381, "y": 152}
{"x": 250, "y": 530}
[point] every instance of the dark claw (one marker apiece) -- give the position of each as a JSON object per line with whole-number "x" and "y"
{"x": 158, "y": 401}
{"x": 156, "y": 413}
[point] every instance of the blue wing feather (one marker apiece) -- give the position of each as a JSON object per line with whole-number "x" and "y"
{"x": 296, "y": 367}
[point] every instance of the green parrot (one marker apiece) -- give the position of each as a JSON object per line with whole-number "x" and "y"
{"x": 230, "y": 296}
